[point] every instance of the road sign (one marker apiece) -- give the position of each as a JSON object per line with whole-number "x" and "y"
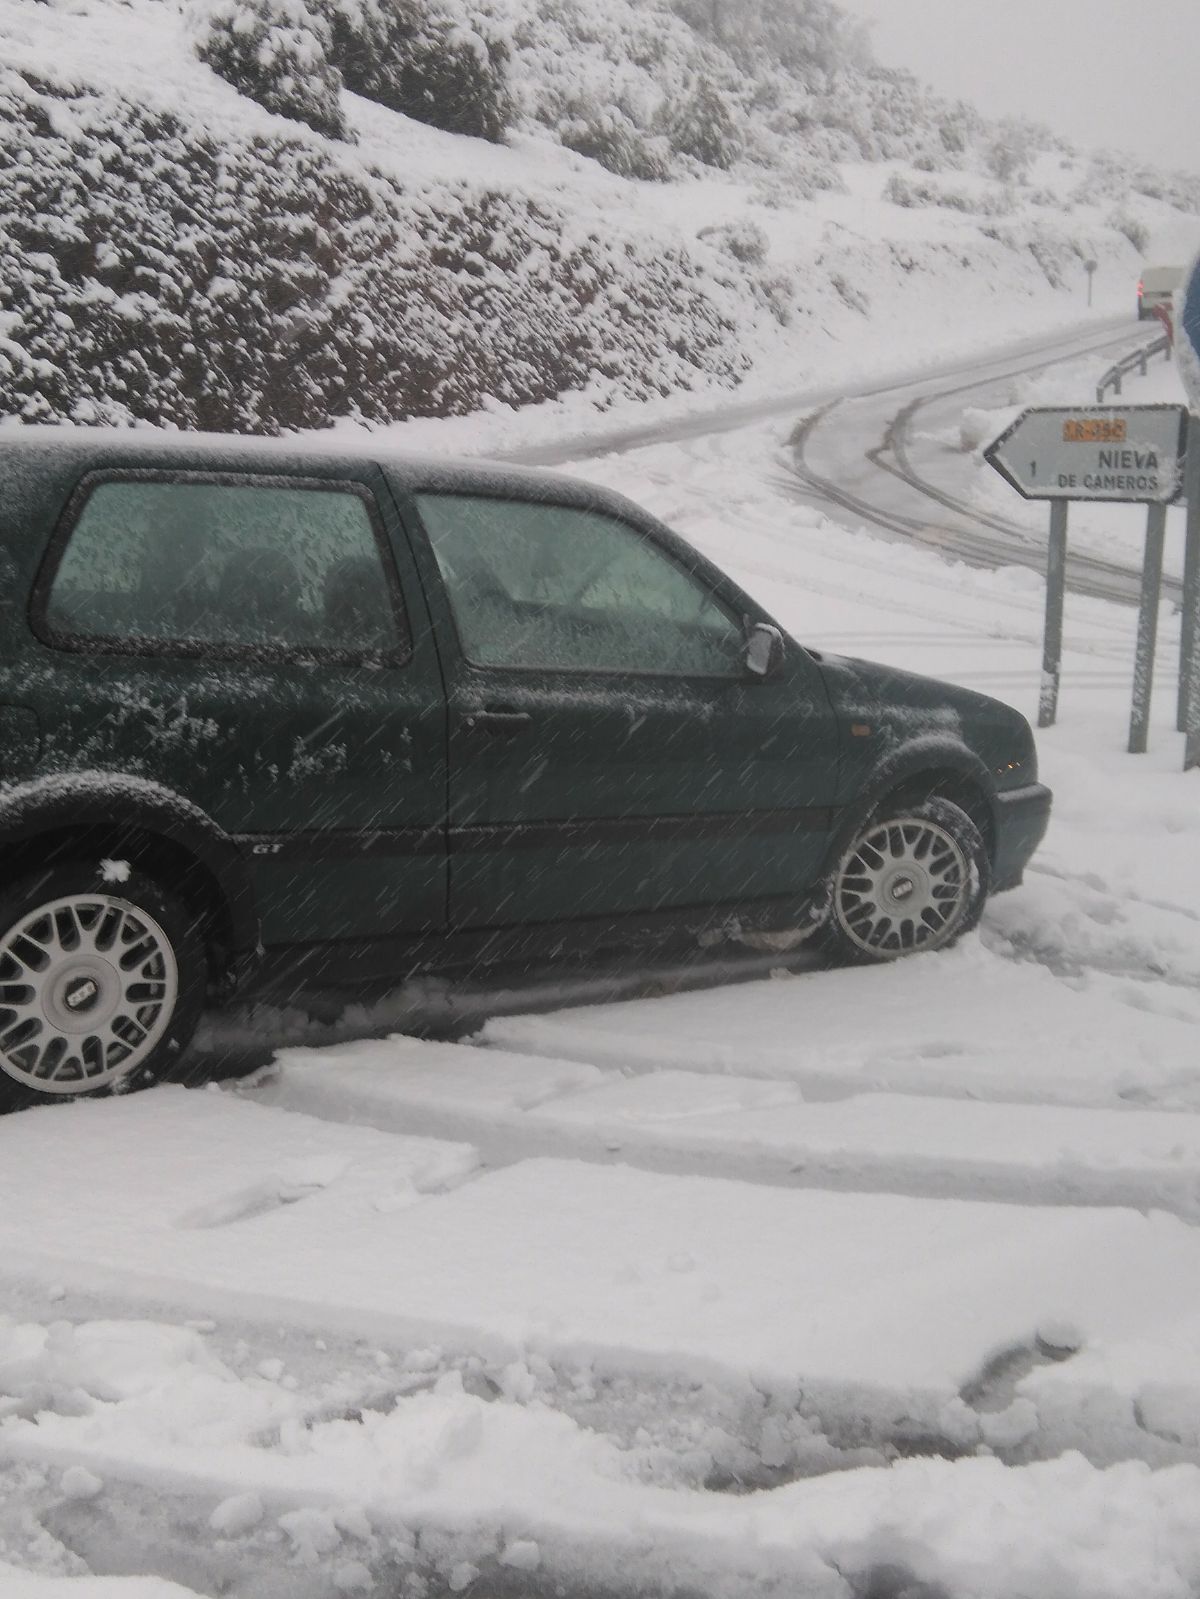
{"x": 1113, "y": 452}
{"x": 1095, "y": 452}
{"x": 1187, "y": 321}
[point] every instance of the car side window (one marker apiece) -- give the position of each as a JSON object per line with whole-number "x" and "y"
{"x": 536, "y": 585}
{"x": 217, "y": 566}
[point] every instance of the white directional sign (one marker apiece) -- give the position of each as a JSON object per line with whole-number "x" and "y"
{"x": 1094, "y": 452}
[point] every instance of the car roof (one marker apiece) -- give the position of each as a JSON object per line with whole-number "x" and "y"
{"x": 70, "y": 447}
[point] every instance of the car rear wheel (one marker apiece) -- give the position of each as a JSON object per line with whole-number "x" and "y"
{"x": 914, "y": 878}
{"x": 101, "y": 983}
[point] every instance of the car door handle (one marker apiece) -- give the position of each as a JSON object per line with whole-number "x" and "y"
{"x": 501, "y": 721}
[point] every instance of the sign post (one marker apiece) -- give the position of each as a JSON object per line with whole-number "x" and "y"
{"x": 1056, "y": 587}
{"x": 1187, "y": 322}
{"x": 1147, "y": 635}
{"x": 1101, "y": 452}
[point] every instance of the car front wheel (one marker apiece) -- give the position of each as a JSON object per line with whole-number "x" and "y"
{"x": 101, "y": 983}
{"x": 915, "y": 878}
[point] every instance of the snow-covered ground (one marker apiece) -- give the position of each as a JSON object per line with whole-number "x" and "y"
{"x": 832, "y": 1283}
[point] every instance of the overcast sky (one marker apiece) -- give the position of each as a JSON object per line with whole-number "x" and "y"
{"x": 1101, "y": 72}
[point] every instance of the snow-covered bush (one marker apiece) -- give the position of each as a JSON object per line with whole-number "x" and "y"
{"x": 958, "y": 127}
{"x": 1133, "y": 228}
{"x": 603, "y": 75}
{"x": 855, "y": 298}
{"x": 745, "y": 246}
{"x": 258, "y": 284}
{"x": 1010, "y": 150}
{"x": 745, "y": 241}
{"x": 810, "y": 39}
{"x": 799, "y": 180}
{"x": 276, "y": 52}
{"x": 1059, "y": 254}
{"x": 702, "y": 126}
{"x": 777, "y": 292}
{"x": 910, "y": 192}
{"x": 607, "y": 135}
{"x": 899, "y": 191}
{"x": 443, "y": 62}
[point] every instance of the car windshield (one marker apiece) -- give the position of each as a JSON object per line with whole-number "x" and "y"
{"x": 599, "y": 775}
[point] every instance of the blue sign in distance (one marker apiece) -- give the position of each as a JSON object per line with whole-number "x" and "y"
{"x": 1187, "y": 332}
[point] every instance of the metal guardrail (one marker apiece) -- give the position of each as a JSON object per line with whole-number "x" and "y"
{"x": 1139, "y": 359}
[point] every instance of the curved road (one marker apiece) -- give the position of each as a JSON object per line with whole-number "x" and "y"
{"x": 854, "y": 451}
{"x": 871, "y": 455}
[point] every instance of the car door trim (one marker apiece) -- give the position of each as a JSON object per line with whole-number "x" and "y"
{"x": 576, "y": 832}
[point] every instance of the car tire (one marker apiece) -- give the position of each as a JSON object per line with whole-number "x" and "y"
{"x": 914, "y": 878}
{"x": 102, "y": 983}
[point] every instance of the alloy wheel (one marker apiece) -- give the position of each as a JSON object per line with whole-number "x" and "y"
{"x": 904, "y": 886}
{"x": 88, "y": 985}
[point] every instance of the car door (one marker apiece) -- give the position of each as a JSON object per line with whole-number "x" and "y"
{"x": 609, "y": 751}
{"x": 249, "y": 642}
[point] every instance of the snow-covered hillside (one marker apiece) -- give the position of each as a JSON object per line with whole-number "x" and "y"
{"x": 648, "y": 201}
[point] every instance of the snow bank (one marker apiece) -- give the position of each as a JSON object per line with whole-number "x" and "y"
{"x": 759, "y": 1126}
{"x": 969, "y": 1022}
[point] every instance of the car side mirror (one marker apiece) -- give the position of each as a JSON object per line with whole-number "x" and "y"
{"x": 764, "y": 650}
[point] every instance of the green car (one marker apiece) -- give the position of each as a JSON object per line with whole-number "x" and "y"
{"x": 289, "y": 716}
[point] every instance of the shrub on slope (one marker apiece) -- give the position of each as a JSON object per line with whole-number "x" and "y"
{"x": 148, "y": 272}
{"x": 703, "y": 127}
{"x": 276, "y": 52}
{"x": 438, "y": 61}
{"x": 608, "y": 77}
{"x": 444, "y": 62}
{"x": 606, "y": 134}
{"x": 812, "y": 40}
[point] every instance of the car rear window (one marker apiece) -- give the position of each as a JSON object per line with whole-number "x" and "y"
{"x": 225, "y": 566}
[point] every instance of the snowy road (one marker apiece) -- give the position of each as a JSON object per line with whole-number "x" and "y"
{"x": 1105, "y": 334}
{"x": 893, "y": 460}
{"x": 846, "y": 1283}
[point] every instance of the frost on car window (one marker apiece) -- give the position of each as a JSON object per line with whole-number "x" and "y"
{"x": 224, "y": 564}
{"x": 535, "y": 585}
